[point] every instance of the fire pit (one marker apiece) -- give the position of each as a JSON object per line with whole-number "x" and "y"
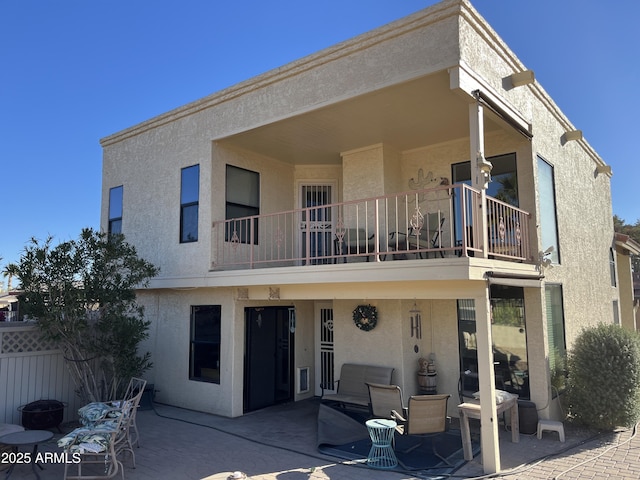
{"x": 42, "y": 414}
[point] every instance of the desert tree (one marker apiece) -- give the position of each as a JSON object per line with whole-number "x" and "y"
{"x": 83, "y": 295}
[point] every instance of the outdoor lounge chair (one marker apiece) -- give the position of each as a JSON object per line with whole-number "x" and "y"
{"x": 96, "y": 411}
{"x": 384, "y": 399}
{"x": 96, "y": 449}
{"x": 355, "y": 241}
{"x": 426, "y": 416}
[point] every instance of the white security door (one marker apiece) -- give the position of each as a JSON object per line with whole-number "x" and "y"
{"x": 316, "y": 223}
{"x": 324, "y": 370}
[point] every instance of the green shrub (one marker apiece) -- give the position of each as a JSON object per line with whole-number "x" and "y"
{"x": 604, "y": 377}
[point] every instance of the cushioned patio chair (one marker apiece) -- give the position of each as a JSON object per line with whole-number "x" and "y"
{"x": 426, "y": 416}
{"x": 96, "y": 449}
{"x": 96, "y": 411}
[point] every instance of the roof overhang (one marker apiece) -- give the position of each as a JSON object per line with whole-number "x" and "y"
{"x": 627, "y": 243}
{"x": 409, "y": 115}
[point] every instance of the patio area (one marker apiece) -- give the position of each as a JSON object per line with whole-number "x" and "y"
{"x": 280, "y": 443}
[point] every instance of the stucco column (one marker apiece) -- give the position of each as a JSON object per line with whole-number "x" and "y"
{"x": 480, "y": 172}
{"x": 480, "y": 177}
{"x": 488, "y": 417}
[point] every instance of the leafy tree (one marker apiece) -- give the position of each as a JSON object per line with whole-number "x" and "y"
{"x": 83, "y": 294}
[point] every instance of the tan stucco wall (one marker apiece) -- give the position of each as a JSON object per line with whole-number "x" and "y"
{"x": 169, "y": 340}
{"x": 583, "y": 199}
{"x": 147, "y": 159}
{"x": 391, "y": 343}
{"x": 169, "y": 337}
{"x": 625, "y": 286}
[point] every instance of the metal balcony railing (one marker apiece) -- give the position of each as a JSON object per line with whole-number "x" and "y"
{"x": 440, "y": 222}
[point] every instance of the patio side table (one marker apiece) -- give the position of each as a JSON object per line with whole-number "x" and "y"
{"x": 381, "y": 454}
{"x": 27, "y": 437}
{"x": 469, "y": 410}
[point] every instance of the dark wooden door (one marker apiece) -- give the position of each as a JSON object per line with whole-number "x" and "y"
{"x": 268, "y": 377}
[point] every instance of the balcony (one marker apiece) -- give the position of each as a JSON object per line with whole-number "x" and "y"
{"x": 440, "y": 222}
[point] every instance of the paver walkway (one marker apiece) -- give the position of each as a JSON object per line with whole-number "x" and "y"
{"x": 278, "y": 443}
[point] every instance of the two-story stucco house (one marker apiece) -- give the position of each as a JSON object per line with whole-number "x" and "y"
{"x": 419, "y": 169}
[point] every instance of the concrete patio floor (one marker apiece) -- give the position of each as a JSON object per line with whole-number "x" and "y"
{"x": 279, "y": 443}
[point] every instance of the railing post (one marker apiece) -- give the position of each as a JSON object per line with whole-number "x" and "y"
{"x": 251, "y": 258}
{"x": 464, "y": 201}
{"x": 376, "y": 231}
{"x": 307, "y": 234}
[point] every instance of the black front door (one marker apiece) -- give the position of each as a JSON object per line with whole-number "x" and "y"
{"x": 268, "y": 357}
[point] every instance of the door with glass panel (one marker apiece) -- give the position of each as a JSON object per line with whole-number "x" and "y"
{"x": 509, "y": 334}
{"x": 316, "y": 223}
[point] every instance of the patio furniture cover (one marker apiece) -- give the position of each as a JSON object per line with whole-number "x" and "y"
{"x": 337, "y": 427}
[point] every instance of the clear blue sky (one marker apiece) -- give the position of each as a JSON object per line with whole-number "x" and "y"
{"x": 73, "y": 72}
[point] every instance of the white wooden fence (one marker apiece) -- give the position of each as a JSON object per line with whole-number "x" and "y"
{"x": 32, "y": 369}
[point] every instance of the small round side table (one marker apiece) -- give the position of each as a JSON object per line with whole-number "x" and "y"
{"x": 381, "y": 454}
{"x": 27, "y": 437}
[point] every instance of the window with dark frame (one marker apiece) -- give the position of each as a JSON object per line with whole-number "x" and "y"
{"x": 242, "y": 200}
{"x": 508, "y": 331}
{"x": 503, "y": 185}
{"x": 115, "y": 210}
{"x": 204, "y": 351}
{"x": 612, "y": 266}
{"x": 189, "y": 202}
{"x": 556, "y": 338}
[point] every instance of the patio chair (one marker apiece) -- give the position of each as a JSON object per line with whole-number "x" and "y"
{"x": 96, "y": 449}
{"x": 426, "y": 416}
{"x": 355, "y": 241}
{"x": 134, "y": 392}
{"x": 96, "y": 411}
{"x": 429, "y": 236}
{"x": 384, "y": 399}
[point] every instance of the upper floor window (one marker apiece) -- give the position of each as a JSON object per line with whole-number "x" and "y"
{"x": 504, "y": 177}
{"x": 189, "y": 198}
{"x": 243, "y": 200}
{"x": 503, "y": 185}
{"x": 548, "y": 219}
{"x": 115, "y": 210}
{"x": 612, "y": 266}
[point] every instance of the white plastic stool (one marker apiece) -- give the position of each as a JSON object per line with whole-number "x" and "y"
{"x": 551, "y": 426}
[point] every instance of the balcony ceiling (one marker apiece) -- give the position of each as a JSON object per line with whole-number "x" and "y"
{"x": 410, "y": 115}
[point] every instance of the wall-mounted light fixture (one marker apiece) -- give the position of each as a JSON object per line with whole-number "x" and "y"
{"x": 606, "y": 169}
{"x": 571, "y": 136}
{"x": 292, "y": 319}
{"x": 522, "y": 78}
{"x": 484, "y": 167}
{"x": 543, "y": 259}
